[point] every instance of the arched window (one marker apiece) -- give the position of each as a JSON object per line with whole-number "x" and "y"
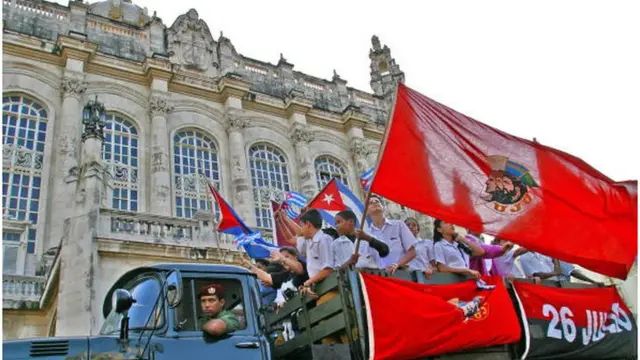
{"x": 270, "y": 179}
{"x": 195, "y": 160}
{"x": 327, "y": 168}
{"x": 120, "y": 152}
{"x": 24, "y": 133}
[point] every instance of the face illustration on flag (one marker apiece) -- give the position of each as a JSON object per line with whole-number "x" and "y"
{"x": 500, "y": 181}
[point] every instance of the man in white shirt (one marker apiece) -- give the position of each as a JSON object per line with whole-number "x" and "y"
{"x": 370, "y": 249}
{"x": 394, "y": 233}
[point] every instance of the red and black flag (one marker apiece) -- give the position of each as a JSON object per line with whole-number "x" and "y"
{"x": 411, "y": 321}
{"x": 591, "y": 323}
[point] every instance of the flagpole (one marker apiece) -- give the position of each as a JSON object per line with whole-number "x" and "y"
{"x": 211, "y": 201}
{"x": 385, "y": 138}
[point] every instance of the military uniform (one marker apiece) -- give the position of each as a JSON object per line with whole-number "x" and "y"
{"x": 227, "y": 316}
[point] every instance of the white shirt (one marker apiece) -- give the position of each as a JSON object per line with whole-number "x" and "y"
{"x": 450, "y": 254}
{"x": 318, "y": 253}
{"x": 507, "y": 266}
{"x": 533, "y": 263}
{"x": 397, "y": 236}
{"x": 424, "y": 254}
{"x": 343, "y": 248}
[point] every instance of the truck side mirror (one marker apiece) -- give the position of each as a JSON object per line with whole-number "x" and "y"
{"x": 122, "y": 301}
{"x": 174, "y": 288}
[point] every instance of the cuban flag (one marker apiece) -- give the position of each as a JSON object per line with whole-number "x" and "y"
{"x": 365, "y": 179}
{"x": 231, "y": 223}
{"x": 291, "y": 213}
{"x": 255, "y": 246}
{"x": 295, "y": 198}
{"x": 336, "y": 197}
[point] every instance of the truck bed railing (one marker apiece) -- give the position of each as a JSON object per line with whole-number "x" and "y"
{"x": 346, "y": 311}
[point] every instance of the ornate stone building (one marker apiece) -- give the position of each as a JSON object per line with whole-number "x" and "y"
{"x": 80, "y": 210}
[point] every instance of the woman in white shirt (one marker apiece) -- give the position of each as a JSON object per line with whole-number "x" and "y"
{"x": 425, "y": 258}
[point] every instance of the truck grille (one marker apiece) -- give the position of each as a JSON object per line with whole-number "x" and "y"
{"x": 49, "y": 348}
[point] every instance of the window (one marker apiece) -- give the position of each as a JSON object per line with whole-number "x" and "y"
{"x": 121, "y": 154}
{"x": 195, "y": 161}
{"x": 24, "y": 131}
{"x": 190, "y": 310}
{"x": 270, "y": 179}
{"x": 145, "y": 291}
{"x": 327, "y": 168}
{"x": 10, "y": 244}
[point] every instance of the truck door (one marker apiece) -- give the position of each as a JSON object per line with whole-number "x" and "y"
{"x": 185, "y": 340}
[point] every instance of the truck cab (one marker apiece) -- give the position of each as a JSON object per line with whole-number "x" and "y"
{"x": 152, "y": 313}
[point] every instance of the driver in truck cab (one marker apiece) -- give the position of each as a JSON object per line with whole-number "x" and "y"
{"x": 214, "y": 320}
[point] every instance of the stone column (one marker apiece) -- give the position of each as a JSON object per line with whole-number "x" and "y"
{"x": 360, "y": 151}
{"x": 240, "y": 188}
{"x": 67, "y": 137}
{"x": 372, "y": 154}
{"x": 78, "y": 311}
{"x": 300, "y": 137}
{"x": 159, "y": 108}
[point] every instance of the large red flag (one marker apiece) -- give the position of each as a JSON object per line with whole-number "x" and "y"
{"x": 426, "y": 323}
{"x": 462, "y": 171}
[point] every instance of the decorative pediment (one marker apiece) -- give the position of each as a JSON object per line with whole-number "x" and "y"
{"x": 190, "y": 42}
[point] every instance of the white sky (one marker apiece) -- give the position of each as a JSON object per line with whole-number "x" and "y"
{"x": 566, "y": 72}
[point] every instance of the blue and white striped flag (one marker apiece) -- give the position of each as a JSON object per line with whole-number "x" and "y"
{"x": 295, "y": 198}
{"x": 365, "y": 179}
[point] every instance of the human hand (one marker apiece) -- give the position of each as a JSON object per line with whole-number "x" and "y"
{"x": 507, "y": 246}
{"x": 428, "y": 272}
{"x": 474, "y": 274}
{"x": 245, "y": 262}
{"x": 392, "y": 268}
{"x": 276, "y": 256}
{"x": 362, "y": 235}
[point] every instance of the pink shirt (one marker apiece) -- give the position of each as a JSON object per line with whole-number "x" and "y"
{"x": 477, "y": 263}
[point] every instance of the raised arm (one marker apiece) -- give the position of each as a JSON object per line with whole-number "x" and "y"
{"x": 476, "y": 249}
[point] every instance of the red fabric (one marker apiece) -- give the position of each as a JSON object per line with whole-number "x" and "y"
{"x": 328, "y": 198}
{"x": 409, "y": 320}
{"x": 565, "y": 209}
{"x": 279, "y": 238}
{"x": 534, "y": 297}
{"x": 588, "y": 323}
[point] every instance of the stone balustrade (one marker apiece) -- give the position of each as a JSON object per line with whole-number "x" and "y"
{"x": 20, "y": 292}
{"x": 150, "y": 228}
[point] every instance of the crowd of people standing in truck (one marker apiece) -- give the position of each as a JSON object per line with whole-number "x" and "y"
{"x": 389, "y": 244}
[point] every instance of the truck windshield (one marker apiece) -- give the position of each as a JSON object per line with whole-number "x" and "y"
{"x": 145, "y": 291}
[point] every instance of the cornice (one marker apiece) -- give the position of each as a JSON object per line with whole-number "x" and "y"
{"x": 214, "y": 90}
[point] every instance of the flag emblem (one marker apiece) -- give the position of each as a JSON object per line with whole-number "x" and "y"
{"x": 508, "y": 185}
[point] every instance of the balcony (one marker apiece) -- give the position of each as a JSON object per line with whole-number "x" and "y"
{"x": 22, "y": 292}
{"x": 157, "y": 235}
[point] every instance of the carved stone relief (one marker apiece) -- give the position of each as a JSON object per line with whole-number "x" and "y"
{"x": 190, "y": 41}
{"x": 301, "y": 135}
{"x": 234, "y": 121}
{"x": 159, "y": 162}
{"x": 359, "y": 150}
{"x": 159, "y": 106}
{"x": 74, "y": 87}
